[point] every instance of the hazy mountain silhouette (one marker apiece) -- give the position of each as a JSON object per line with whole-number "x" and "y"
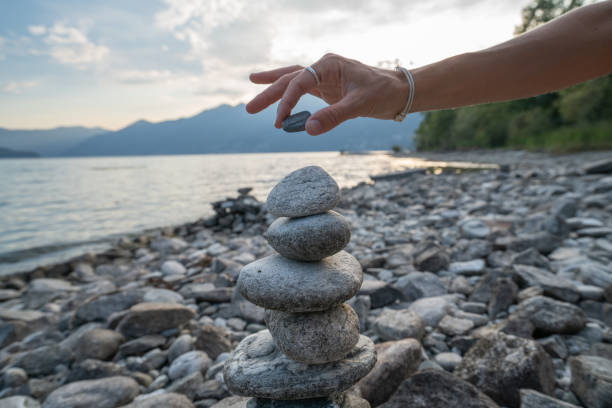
{"x": 47, "y": 142}
{"x": 230, "y": 129}
{"x": 10, "y": 154}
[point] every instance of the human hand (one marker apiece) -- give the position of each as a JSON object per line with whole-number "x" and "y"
{"x": 350, "y": 88}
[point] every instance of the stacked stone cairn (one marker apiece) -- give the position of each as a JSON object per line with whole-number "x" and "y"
{"x": 312, "y": 351}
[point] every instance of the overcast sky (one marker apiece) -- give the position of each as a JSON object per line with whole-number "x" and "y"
{"x": 109, "y": 63}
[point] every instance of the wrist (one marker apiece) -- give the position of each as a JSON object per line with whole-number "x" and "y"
{"x": 402, "y": 90}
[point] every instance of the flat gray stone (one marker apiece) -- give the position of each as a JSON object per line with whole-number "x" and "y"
{"x": 169, "y": 400}
{"x": 309, "y": 238}
{"x": 153, "y": 318}
{"x": 534, "y": 399}
{"x": 315, "y": 337}
{"x": 592, "y": 380}
{"x": 296, "y": 122}
{"x": 306, "y": 191}
{"x": 19, "y": 402}
{"x": 551, "y": 316}
{"x": 399, "y": 324}
{"x": 104, "y": 393}
{"x": 279, "y": 283}
{"x": 258, "y": 368}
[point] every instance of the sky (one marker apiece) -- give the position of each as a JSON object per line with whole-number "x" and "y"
{"x": 110, "y": 63}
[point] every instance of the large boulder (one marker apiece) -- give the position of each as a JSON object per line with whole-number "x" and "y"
{"x": 501, "y": 365}
{"x": 551, "y": 316}
{"x": 438, "y": 389}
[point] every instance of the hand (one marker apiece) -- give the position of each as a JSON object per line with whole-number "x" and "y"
{"x": 351, "y": 89}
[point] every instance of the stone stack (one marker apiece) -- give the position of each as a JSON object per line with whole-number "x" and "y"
{"x": 312, "y": 351}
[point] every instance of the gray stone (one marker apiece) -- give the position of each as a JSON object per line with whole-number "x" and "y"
{"x": 503, "y": 295}
{"x": 599, "y": 167}
{"x": 234, "y": 401}
{"x": 454, "y": 326}
{"x": 554, "y": 346}
{"x": 99, "y": 309}
{"x": 168, "y": 245}
{"x": 109, "y": 392}
{"x": 156, "y": 295}
{"x": 19, "y": 402}
{"x": 190, "y": 385}
{"x": 212, "y": 340}
{"x": 592, "y": 380}
{"x": 309, "y": 238}
{"x": 173, "y": 268}
{"x": 41, "y": 361}
{"x": 418, "y": 285}
{"x": 207, "y": 292}
{"x": 99, "y": 344}
{"x": 169, "y": 400}
{"x": 153, "y": 318}
{"x": 474, "y": 307}
{"x": 431, "y": 309}
{"x": 315, "y": 337}
{"x": 448, "y": 361}
{"x": 306, "y": 191}
{"x": 399, "y": 324}
{"x": 14, "y": 377}
{"x": 534, "y": 399}
{"x": 500, "y": 365}
{"x": 94, "y": 369}
{"x": 467, "y": 268}
{"x": 296, "y": 122}
{"x": 188, "y": 363}
{"x": 279, "y": 283}
{"x": 552, "y": 285}
{"x": 437, "y": 389}
{"x": 380, "y": 293}
{"x": 431, "y": 258}
{"x": 551, "y": 316}
{"x": 474, "y": 229}
{"x": 141, "y": 345}
{"x": 396, "y": 361}
{"x": 257, "y": 368}
{"x": 181, "y": 345}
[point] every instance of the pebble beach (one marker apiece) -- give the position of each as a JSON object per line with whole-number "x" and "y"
{"x": 488, "y": 288}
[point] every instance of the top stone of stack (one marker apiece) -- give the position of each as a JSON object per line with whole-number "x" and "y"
{"x": 307, "y": 191}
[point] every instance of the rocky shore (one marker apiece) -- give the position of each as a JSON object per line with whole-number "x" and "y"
{"x": 481, "y": 289}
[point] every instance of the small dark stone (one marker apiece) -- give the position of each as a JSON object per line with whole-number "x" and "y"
{"x": 296, "y": 122}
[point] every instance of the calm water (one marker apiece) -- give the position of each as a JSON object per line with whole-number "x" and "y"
{"x": 53, "y": 209}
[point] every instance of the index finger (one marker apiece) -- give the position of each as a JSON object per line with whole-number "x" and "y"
{"x": 267, "y": 77}
{"x": 299, "y": 86}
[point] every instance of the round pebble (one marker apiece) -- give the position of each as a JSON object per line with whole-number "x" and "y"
{"x": 306, "y": 191}
{"x": 309, "y": 238}
{"x": 317, "y": 337}
{"x": 279, "y": 283}
{"x": 259, "y": 369}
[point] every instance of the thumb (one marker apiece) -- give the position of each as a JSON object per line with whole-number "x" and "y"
{"x": 328, "y": 118}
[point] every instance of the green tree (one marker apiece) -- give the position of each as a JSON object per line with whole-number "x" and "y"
{"x": 542, "y": 11}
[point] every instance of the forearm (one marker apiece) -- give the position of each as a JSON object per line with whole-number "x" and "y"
{"x": 571, "y": 49}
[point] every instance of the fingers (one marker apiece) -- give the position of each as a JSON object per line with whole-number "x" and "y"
{"x": 271, "y": 94}
{"x": 267, "y": 77}
{"x": 301, "y": 84}
{"x": 328, "y": 118}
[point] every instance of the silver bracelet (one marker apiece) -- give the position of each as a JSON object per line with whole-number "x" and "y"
{"x": 400, "y": 116}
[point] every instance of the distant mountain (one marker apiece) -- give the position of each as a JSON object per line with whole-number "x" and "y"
{"x": 230, "y": 129}
{"x": 13, "y": 154}
{"x": 48, "y": 142}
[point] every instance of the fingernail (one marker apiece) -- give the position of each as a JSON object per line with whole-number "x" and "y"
{"x": 313, "y": 126}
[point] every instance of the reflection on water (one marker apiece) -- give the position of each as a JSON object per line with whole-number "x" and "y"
{"x": 53, "y": 209}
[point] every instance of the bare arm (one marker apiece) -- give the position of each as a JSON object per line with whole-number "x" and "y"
{"x": 570, "y": 49}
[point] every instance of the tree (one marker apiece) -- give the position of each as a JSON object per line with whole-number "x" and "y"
{"x": 542, "y": 11}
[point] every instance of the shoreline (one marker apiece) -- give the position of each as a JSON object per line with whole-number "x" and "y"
{"x": 501, "y": 157}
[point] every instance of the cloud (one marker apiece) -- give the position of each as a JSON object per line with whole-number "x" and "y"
{"x": 143, "y": 76}
{"x": 37, "y": 29}
{"x": 18, "y": 87}
{"x": 2, "y": 42}
{"x": 70, "y": 46}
